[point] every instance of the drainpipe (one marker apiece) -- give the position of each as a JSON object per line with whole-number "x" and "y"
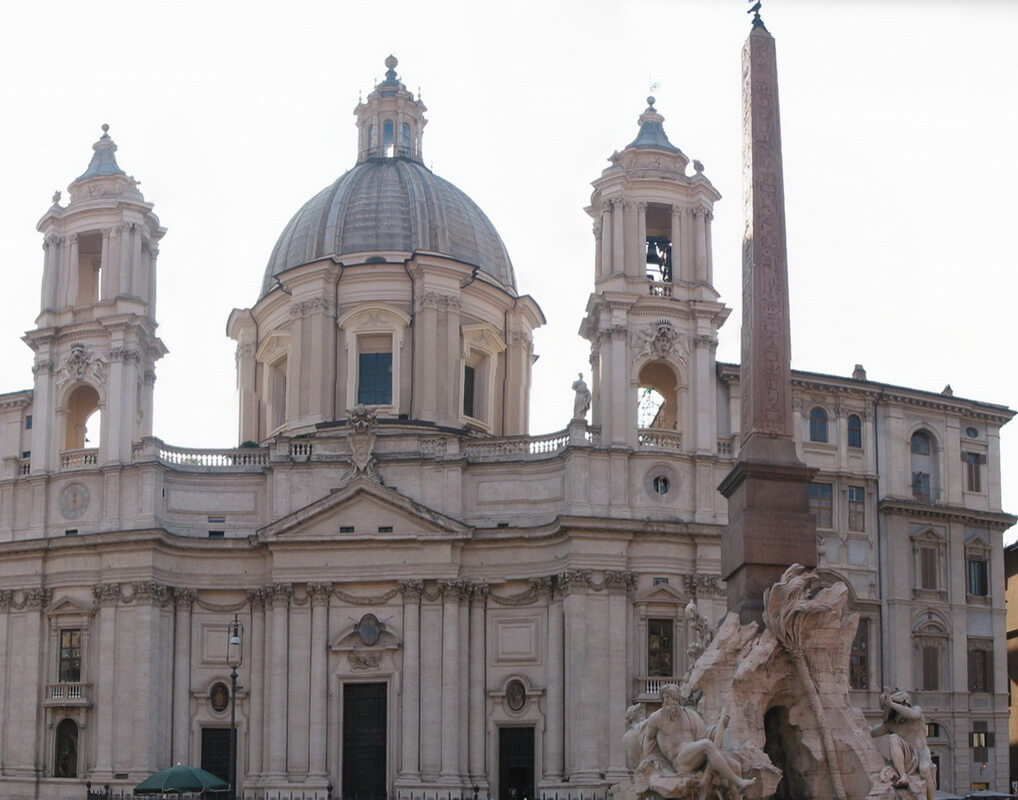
{"x": 413, "y": 329}
{"x": 881, "y": 547}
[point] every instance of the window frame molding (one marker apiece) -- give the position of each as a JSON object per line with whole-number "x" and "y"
{"x": 826, "y": 422}
{"x": 931, "y": 629}
{"x": 929, "y": 537}
{"x": 481, "y": 345}
{"x": 373, "y": 319}
{"x": 274, "y": 348}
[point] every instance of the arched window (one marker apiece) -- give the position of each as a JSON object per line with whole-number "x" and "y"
{"x": 818, "y": 425}
{"x": 405, "y": 140}
{"x": 930, "y": 655}
{"x": 388, "y": 137}
{"x": 854, "y": 431}
{"x": 66, "y": 764}
{"x": 82, "y": 419}
{"x": 925, "y": 475}
{"x": 658, "y": 397}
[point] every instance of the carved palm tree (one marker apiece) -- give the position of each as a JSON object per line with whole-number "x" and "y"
{"x": 787, "y": 606}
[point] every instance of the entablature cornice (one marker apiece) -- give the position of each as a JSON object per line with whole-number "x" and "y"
{"x": 910, "y": 508}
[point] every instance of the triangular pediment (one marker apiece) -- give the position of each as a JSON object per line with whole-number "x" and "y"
{"x": 364, "y": 509}
{"x": 661, "y": 593}
{"x": 67, "y": 606}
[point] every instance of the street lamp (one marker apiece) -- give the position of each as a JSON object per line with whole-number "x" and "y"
{"x": 234, "y": 657}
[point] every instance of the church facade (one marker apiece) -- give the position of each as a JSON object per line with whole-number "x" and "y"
{"x": 420, "y": 597}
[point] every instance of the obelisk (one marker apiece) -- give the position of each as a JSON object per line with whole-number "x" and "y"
{"x": 769, "y": 522}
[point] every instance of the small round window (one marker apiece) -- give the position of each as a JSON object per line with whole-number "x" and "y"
{"x": 661, "y": 484}
{"x": 219, "y": 696}
{"x": 972, "y": 433}
{"x": 515, "y": 695}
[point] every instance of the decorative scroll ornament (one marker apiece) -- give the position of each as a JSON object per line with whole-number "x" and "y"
{"x": 80, "y": 362}
{"x": 660, "y": 340}
{"x": 361, "y": 423}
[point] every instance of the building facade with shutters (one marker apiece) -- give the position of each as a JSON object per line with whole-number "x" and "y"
{"x": 431, "y": 599}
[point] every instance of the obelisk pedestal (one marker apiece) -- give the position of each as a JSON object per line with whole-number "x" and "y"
{"x": 769, "y": 522}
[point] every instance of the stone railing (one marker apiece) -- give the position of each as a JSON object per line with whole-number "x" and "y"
{"x": 659, "y": 439}
{"x": 302, "y": 449}
{"x": 548, "y": 444}
{"x": 647, "y": 688}
{"x": 206, "y": 459}
{"x": 68, "y": 692}
{"x": 660, "y": 288}
{"x": 728, "y": 446}
{"x": 82, "y": 457}
{"x": 24, "y": 467}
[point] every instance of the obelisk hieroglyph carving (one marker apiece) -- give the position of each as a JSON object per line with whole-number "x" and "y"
{"x": 770, "y": 526}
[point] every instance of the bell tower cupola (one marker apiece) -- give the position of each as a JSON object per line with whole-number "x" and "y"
{"x": 390, "y": 123}
{"x": 653, "y": 317}
{"x": 95, "y": 338}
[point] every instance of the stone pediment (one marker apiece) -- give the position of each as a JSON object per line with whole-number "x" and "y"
{"x": 365, "y": 509}
{"x": 661, "y": 593}
{"x": 67, "y": 606}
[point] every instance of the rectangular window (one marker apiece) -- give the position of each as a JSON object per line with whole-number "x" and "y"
{"x": 930, "y": 678}
{"x": 70, "y": 655}
{"x": 928, "y": 568}
{"x": 972, "y": 471}
{"x": 921, "y": 487}
{"x": 821, "y": 503}
{"x": 856, "y": 508}
{"x": 374, "y": 384}
{"x": 980, "y": 658}
{"x": 28, "y": 422}
{"x": 660, "y": 647}
{"x": 978, "y": 579}
{"x": 859, "y": 660}
{"x": 468, "y": 391}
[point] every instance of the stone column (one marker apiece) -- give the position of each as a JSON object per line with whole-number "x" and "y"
{"x": 700, "y": 229}
{"x": 256, "y": 697}
{"x": 618, "y": 237}
{"x": 70, "y": 253}
{"x": 108, "y": 279}
{"x": 106, "y": 596}
{"x": 767, "y": 488}
{"x": 153, "y": 252}
{"x": 181, "y": 748}
{"x": 450, "y": 679}
{"x": 298, "y": 702}
{"x": 708, "y": 215}
{"x": 632, "y": 246}
{"x": 6, "y": 649}
{"x": 581, "y": 762}
{"x": 605, "y": 240}
{"x": 477, "y": 696}
{"x": 279, "y": 596}
{"x": 678, "y": 262}
{"x": 411, "y": 694}
{"x": 431, "y": 689}
{"x": 618, "y": 585}
{"x": 641, "y": 239}
{"x": 319, "y": 677}
{"x": 553, "y": 724}
{"x": 127, "y": 236}
{"x": 49, "y": 273}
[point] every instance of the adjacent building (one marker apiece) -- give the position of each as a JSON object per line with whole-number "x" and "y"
{"x": 428, "y": 598}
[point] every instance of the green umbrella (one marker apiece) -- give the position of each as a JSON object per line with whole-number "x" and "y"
{"x": 180, "y": 779}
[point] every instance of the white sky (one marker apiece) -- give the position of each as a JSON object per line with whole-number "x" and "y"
{"x": 899, "y": 124}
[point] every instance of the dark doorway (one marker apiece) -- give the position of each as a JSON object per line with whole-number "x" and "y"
{"x": 215, "y": 752}
{"x": 783, "y": 746}
{"x": 364, "y": 773}
{"x": 516, "y": 764}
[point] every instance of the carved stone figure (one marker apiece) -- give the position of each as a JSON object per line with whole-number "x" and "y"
{"x": 905, "y": 727}
{"x": 677, "y": 742}
{"x": 632, "y": 740}
{"x": 581, "y": 403}
{"x": 361, "y": 424}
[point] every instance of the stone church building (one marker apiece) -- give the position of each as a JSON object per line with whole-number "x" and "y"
{"x": 429, "y": 598}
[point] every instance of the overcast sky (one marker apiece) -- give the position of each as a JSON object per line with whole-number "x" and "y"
{"x": 899, "y": 124}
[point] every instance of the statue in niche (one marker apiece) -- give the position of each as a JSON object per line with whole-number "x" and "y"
{"x": 682, "y": 756}
{"x": 905, "y": 727}
{"x": 581, "y": 403}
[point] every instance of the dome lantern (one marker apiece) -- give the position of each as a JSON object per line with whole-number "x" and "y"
{"x": 390, "y": 121}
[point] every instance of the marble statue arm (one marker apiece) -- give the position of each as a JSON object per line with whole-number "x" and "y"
{"x": 908, "y": 712}
{"x": 879, "y": 730}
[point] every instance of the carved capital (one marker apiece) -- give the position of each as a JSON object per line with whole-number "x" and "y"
{"x": 37, "y": 598}
{"x": 106, "y": 594}
{"x": 574, "y": 580}
{"x": 619, "y": 581}
{"x": 311, "y": 305}
{"x": 46, "y": 366}
{"x": 429, "y": 298}
{"x": 151, "y": 592}
{"x": 412, "y": 591}
{"x": 704, "y": 340}
{"x": 126, "y": 355}
{"x": 277, "y": 595}
{"x": 184, "y": 598}
{"x": 6, "y": 598}
{"x": 320, "y": 593}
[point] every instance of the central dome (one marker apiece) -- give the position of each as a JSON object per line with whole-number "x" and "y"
{"x": 390, "y": 203}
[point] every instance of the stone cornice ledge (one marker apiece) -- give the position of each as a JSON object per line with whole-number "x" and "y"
{"x": 995, "y": 519}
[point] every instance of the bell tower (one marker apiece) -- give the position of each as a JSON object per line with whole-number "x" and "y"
{"x": 94, "y": 341}
{"x": 653, "y": 318}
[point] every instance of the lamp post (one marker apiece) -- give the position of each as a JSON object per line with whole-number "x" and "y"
{"x": 234, "y": 656}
